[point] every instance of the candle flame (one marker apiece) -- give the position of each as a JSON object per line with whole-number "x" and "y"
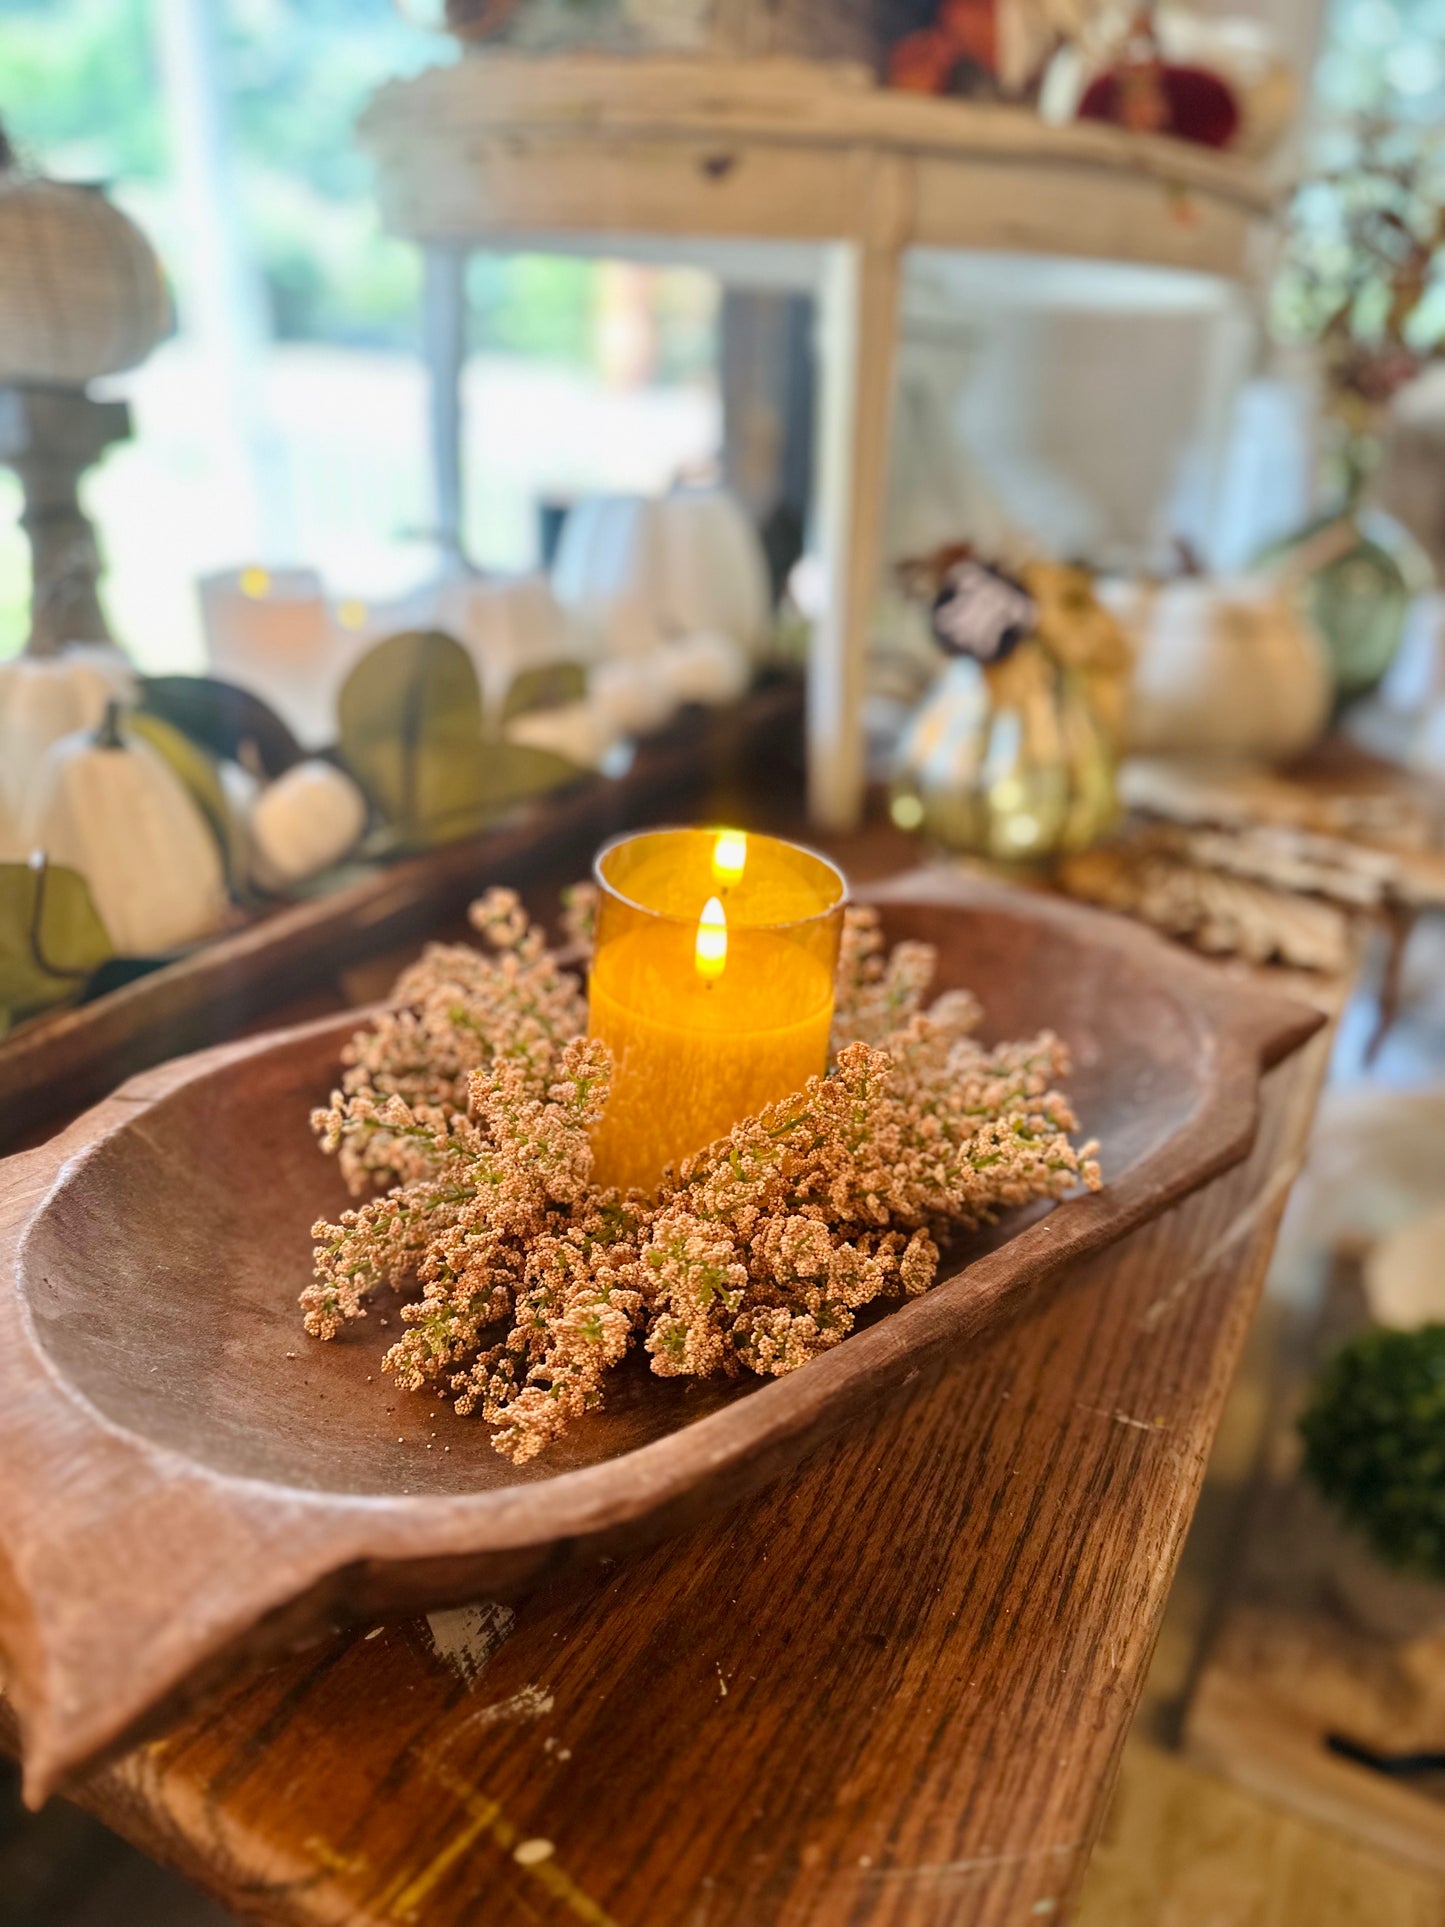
{"x": 729, "y": 857}
{"x": 351, "y": 614}
{"x": 711, "y": 954}
{"x": 255, "y": 583}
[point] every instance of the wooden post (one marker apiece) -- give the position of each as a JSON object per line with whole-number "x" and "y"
{"x": 444, "y": 344}
{"x": 858, "y": 328}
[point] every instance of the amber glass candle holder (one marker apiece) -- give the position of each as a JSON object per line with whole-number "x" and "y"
{"x": 712, "y": 985}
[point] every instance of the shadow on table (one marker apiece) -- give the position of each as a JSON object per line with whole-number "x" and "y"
{"x": 60, "y": 1868}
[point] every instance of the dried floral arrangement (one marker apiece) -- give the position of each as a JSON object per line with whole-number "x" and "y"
{"x": 1365, "y": 246}
{"x": 1220, "y": 893}
{"x": 466, "y": 1105}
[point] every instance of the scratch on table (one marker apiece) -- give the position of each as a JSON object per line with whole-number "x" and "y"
{"x": 722, "y": 1685}
{"x": 466, "y": 1638}
{"x": 1123, "y": 1418}
{"x": 1154, "y": 1315}
{"x": 978, "y": 1863}
{"x": 485, "y": 1820}
{"x": 531, "y": 1703}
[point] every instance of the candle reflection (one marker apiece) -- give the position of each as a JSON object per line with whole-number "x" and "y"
{"x": 711, "y": 950}
{"x": 729, "y": 857}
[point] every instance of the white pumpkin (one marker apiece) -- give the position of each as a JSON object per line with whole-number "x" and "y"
{"x": 508, "y": 624}
{"x": 43, "y": 698}
{"x": 1404, "y": 1275}
{"x": 609, "y": 573}
{"x": 12, "y": 843}
{"x": 576, "y": 731}
{"x": 309, "y": 818}
{"x": 1427, "y": 748}
{"x": 639, "y": 571}
{"x": 705, "y": 669}
{"x": 1227, "y": 667}
{"x": 239, "y": 788}
{"x": 716, "y": 568}
{"x": 111, "y": 808}
{"x": 632, "y": 696}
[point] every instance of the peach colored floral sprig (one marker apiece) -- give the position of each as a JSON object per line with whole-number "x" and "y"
{"x": 453, "y": 1012}
{"x": 472, "y": 1098}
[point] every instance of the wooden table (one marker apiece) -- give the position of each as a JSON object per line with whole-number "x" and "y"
{"x": 892, "y": 1691}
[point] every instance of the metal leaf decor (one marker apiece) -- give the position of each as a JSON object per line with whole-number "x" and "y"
{"x": 411, "y": 734}
{"x": 51, "y": 938}
{"x": 223, "y": 718}
{"x": 548, "y": 686}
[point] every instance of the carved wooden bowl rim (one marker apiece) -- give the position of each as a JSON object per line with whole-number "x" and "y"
{"x": 132, "y": 1576}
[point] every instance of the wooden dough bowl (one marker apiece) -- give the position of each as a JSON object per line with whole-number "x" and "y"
{"x": 187, "y": 1482}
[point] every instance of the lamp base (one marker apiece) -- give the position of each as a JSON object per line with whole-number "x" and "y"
{"x": 50, "y": 437}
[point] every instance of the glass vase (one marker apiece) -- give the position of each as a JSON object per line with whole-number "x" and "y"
{"x": 1360, "y": 570}
{"x": 1011, "y": 762}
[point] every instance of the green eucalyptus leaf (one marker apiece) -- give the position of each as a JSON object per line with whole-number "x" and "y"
{"x": 516, "y": 771}
{"x": 223, "y": 718}
{"x": 51, "y": 938}
{"x": 411, "y": 735}
{"x": 551, "y": 686}
{"x": 513, "y": 773}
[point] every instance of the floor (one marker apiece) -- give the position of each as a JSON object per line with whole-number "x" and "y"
{"x": 1179, "y": 1849}
{"x": 61, "y": 1869}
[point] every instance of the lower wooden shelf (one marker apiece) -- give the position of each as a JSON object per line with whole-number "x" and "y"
{"x": 60, "y": 1062}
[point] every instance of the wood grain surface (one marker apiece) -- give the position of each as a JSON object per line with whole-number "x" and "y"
{"x": 890, "y": 1692}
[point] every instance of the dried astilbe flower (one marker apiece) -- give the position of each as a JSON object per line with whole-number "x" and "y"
{"x": 579, "y": 916}
{"x": 756, "y": 1255}
{"x": 878, "y": 989}
{"x": 453, "y": 1012}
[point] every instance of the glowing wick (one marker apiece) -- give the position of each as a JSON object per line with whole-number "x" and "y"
{"x": 729, "y": 857}
{"x": 711, "y": 954}
{"x": 255, "y": 583}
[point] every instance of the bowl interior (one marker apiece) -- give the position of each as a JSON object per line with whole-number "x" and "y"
{"x": 163, "y": 1275}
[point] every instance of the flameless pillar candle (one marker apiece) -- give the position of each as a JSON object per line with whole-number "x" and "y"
{"x": 712, "y": 985}
{"x": 272, "y": 632}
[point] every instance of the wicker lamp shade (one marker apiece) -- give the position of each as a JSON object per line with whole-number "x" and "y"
{"x": 81, "y": 290}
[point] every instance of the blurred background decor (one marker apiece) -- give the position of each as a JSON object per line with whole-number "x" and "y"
{"x": 1365, "y": 241}
{"x": 1095, "y": 384}
{"x": 1011, "y": 755}
{"x": 1223, "y": 666}
{"x": 823, "y": 28}
{"x": 81, "y": 296}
